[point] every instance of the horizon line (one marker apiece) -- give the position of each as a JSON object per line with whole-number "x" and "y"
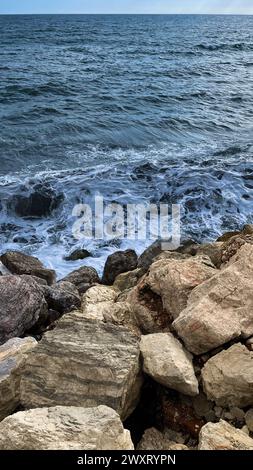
{"x": 133, "y": 14}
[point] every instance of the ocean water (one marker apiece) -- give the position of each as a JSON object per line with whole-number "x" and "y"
{"x": 134, "y": 108}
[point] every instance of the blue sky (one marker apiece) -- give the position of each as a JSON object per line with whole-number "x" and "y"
{"x": 126, "y": 6}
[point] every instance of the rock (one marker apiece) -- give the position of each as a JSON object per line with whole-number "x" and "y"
{"x": 173, "y": 280}
{"x": 98, "y": 300}
{"x": 62, "y": 297}
{"x": 99, "y": 303}
{"x": 117, "y": 263}
{"x": 147, "y": 257}
{"x": 168, "y": 363}
{"x": 213, "y": 251}
{"x": 245, "y": 430}
{"x": 223, "y": 436}
{"x": 19, "y": 263}
{"x": 221, "y": 308}
{"x": 83, "y": 363}
{"x": 12, "y": 357}
{"x": 233, "y": 245}
{"x": 65, "y": 428}
{"x": 83, "y": 278}
{"x": 125, "y": 281}
{"x": 39, "y": 203}
{"x": 249, "y": 419}
{"x": 228, "y": 377}
{"x": 202, "y": 406}
{"x": 147, "y": 309}
{"x": 178, "y": 415}
{"x": 22, "y": 305}
{"x": 237, "y": 414}
{"x": 188, "y": 247}
{"x": 227, "y": 236}
{"x": 77, "y": 254}
{"x": 153, "y": 439}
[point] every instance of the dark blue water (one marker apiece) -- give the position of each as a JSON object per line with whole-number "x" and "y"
{"x": 136, "y": 108}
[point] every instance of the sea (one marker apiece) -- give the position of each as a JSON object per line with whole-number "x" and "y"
{"x": 134, "y": 108}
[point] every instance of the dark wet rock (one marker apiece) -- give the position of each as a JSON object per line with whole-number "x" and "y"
{"x": 62, "y": 297}
{"x": 118, "y": 263}
{"x": 39, "y": 203}
{"x": 77, "y": 254}
{"x": 22, "y": 305}
{"x": 83, "y": 278}
{"x": 20, "y": 263}
{"x": 149, "y": 255}
{"x": 188, "y": 247}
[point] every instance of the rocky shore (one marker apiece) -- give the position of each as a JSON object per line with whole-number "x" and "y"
{"x": 155, "y": 355}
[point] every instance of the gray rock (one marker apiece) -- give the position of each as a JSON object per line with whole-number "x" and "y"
{"x": 83, "y": 362}
{"x": 223, "y": 436}
{"x": 83, "y": 278}
{"x": 12, "y": 358}
{"x": 65, "y": 428}
{"x": 62, "y": 297}
{"x": 168, "y": 363}
{"x": 228, "y": 377}
{"x": 22, "y": 305}
{"x": 118, "y": 263}
{"x": 20, "y": 263}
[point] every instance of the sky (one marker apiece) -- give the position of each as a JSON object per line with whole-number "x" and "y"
{"x": 126, "y": 6}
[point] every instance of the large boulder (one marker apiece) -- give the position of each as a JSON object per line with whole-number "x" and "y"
{"x": 12, "y": 357}
{"x": 83, "y": 278}
{"x": 221, "y": 308}
{"x": 117, "y": 263}
{"x": 228, "y": 377}
{"x": 20, "y": 263}
{"x": 40, "y": 202}
{"x": 174, "y": 279}
{"x": 223, "y": 436}
{"x": 65, "y": 428}
{"x": 22, "y": 305}
{"x": 168, "y": 363}
{"x": 83, "y": 362}
{"x": 62, "y": 297}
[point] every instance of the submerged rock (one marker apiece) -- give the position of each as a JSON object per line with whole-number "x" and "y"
{"x": 228, "y": 377}
{"x": 223, "y": 436}
{"x": 65, "y": 428}
{"x": 168, "y": 363}
{"x": 77, "y": 254}
{"x": 12, "y": 357}
{"x": 22, "y": 305}
{"x": 83, "y": 362}
{"x": 83, "y": 278}
{"x": 20, "y": 263}
{"x": 39, "y": 203}
{"x": 117, "y": 263}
